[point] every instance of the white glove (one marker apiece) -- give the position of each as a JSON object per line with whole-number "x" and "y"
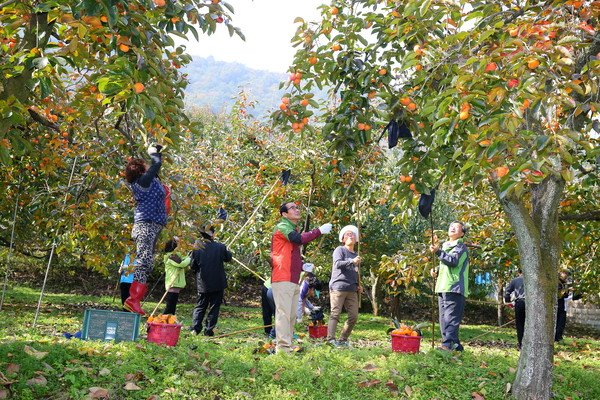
{"x": 325, "y": 229}
{"x": 308, "y": 267}
{"x": 306, "y": 310}
{"x": 154, "y": 148}
{"x": 316, "y": 308}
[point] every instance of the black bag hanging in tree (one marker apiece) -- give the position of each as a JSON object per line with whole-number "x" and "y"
{"x": 426, "y": 203}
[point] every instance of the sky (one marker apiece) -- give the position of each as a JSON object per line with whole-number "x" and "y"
{"x": 268, "y": 26}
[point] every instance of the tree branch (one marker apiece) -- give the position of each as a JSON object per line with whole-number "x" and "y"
{"x": 38, "y": 118}
{"x": 589, "y": 216}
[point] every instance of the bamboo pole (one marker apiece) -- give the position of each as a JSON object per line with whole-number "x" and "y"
{"x": 244, "y": 265}
{"x": 358, "y": 251}
{"x": 12, "y": 242}
{"x": 253, "y": 213}
{"x": 37, "y": 311}
{"x": 432, "y": 286}
{"x": 242, "y": 331}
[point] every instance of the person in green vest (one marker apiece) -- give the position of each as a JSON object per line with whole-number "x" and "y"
{"x": 175, "y": 268}
{"x": 452, "y": 284}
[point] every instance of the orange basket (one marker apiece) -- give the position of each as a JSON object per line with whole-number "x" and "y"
{"x": 318, "y": 331}
{"x": 163, "y": 333}
{"x": 405, "y": 344}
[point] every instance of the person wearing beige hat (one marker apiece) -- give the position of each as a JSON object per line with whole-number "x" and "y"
{"x": 343, "y": 285}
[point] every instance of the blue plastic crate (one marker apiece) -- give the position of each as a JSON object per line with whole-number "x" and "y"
{"x": 110, "y": 325}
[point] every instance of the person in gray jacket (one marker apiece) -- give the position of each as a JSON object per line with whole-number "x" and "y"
{"x": 515, "y": 293}
{"x": 344, "y": 285}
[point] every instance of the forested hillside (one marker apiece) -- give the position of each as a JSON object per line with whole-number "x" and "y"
{"x": 215, "y": 83}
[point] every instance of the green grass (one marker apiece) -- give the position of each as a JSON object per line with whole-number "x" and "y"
{"x": 229, "y": 367}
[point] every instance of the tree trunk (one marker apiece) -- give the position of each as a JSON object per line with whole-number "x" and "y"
{"x": 539, "y": 244}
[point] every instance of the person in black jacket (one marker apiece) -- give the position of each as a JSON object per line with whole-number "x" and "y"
{"x": 515, "y": 292}
{"x": 211, "y": 282}
{"x": 564, "y": 293}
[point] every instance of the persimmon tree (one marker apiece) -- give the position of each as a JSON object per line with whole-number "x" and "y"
{"x": 500, "y": 94}
{"x": 84, "y": 85}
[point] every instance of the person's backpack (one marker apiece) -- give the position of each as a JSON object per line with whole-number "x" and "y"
{"x": 167, "y": 198}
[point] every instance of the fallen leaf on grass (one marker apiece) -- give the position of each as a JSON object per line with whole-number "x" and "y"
{"x": 134, "y": 377}
{"x": 370, "y": 367}
{"x": 368, "y": 383}
{"x": 408, "y": 390}
{"x": 253, "y": 371}
{"x": 97, "y": 393}
{"x": 104, "y": 372}
{"x": 170, "y": 390}
{"x": 153, "y": 397}
{"x": 38, "y": 380}
{"x": 12, "y": 368}
{"x": 34, "y": 353}
{"x": 508, "y": 387}
{"x": 511, "y": 370}
{"x": 477, "y": 396}
{"x": 131, "y": 386}
{"x": 276, "y": 377}
{"x": 3, "y": 394}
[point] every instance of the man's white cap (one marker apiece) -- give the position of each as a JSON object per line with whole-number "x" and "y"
{"x": 351, "y": 228}
{"x": 308, "y": 267}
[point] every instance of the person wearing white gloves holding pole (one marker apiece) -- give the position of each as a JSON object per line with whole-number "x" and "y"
{"x": 286, "y": 264}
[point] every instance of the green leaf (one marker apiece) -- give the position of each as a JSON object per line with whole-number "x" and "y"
{"x": 40, "y": 62}
{"x": 440, "y": 122}
{"x": 541, "y": 142}
{"x": 5, "y": 156}
{"x": 229, "y": 6}
{"x": 424, "y": 7}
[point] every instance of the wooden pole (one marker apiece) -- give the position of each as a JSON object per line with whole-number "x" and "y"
{"x": 432, "y": 287}
{"x": 244, "y": 265}
{"x": 166, "y": 291}
{"x": 254, "y": 212}
{"x": 358, "y": 250}
{"x": 242, "y": 331}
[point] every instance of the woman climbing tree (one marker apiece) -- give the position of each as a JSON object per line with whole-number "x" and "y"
{"x": 150, "y": 218}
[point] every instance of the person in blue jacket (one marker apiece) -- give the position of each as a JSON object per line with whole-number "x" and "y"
{"x": 126, "y": 271}
{"x": 150, "y": 218}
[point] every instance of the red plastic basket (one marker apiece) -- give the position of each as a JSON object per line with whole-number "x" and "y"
{"x": 318, "y": 331}
{"x": 405, "y": 344}
{"x": 164, "y": 333}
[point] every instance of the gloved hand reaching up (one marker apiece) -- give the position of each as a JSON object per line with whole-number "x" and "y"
{"x": 154, "y": 148}
{"x": 325, "y": 229}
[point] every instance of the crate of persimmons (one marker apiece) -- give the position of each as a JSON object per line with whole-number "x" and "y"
{"x": 164, "y": 329}
{"x": 406, "y": 339}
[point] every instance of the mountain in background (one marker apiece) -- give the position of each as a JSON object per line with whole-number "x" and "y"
{"x": 216, "y": 84}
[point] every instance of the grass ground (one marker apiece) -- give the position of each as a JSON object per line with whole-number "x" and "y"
{"x": 38, "y": 363}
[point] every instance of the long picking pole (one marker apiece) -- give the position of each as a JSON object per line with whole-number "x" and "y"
{"x": 37, "y": 311}
{"x": 253, "y": 213}
{"x": 432, "y": 289}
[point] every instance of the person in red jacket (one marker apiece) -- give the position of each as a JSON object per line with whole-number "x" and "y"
{"x": 286, "y": 264}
